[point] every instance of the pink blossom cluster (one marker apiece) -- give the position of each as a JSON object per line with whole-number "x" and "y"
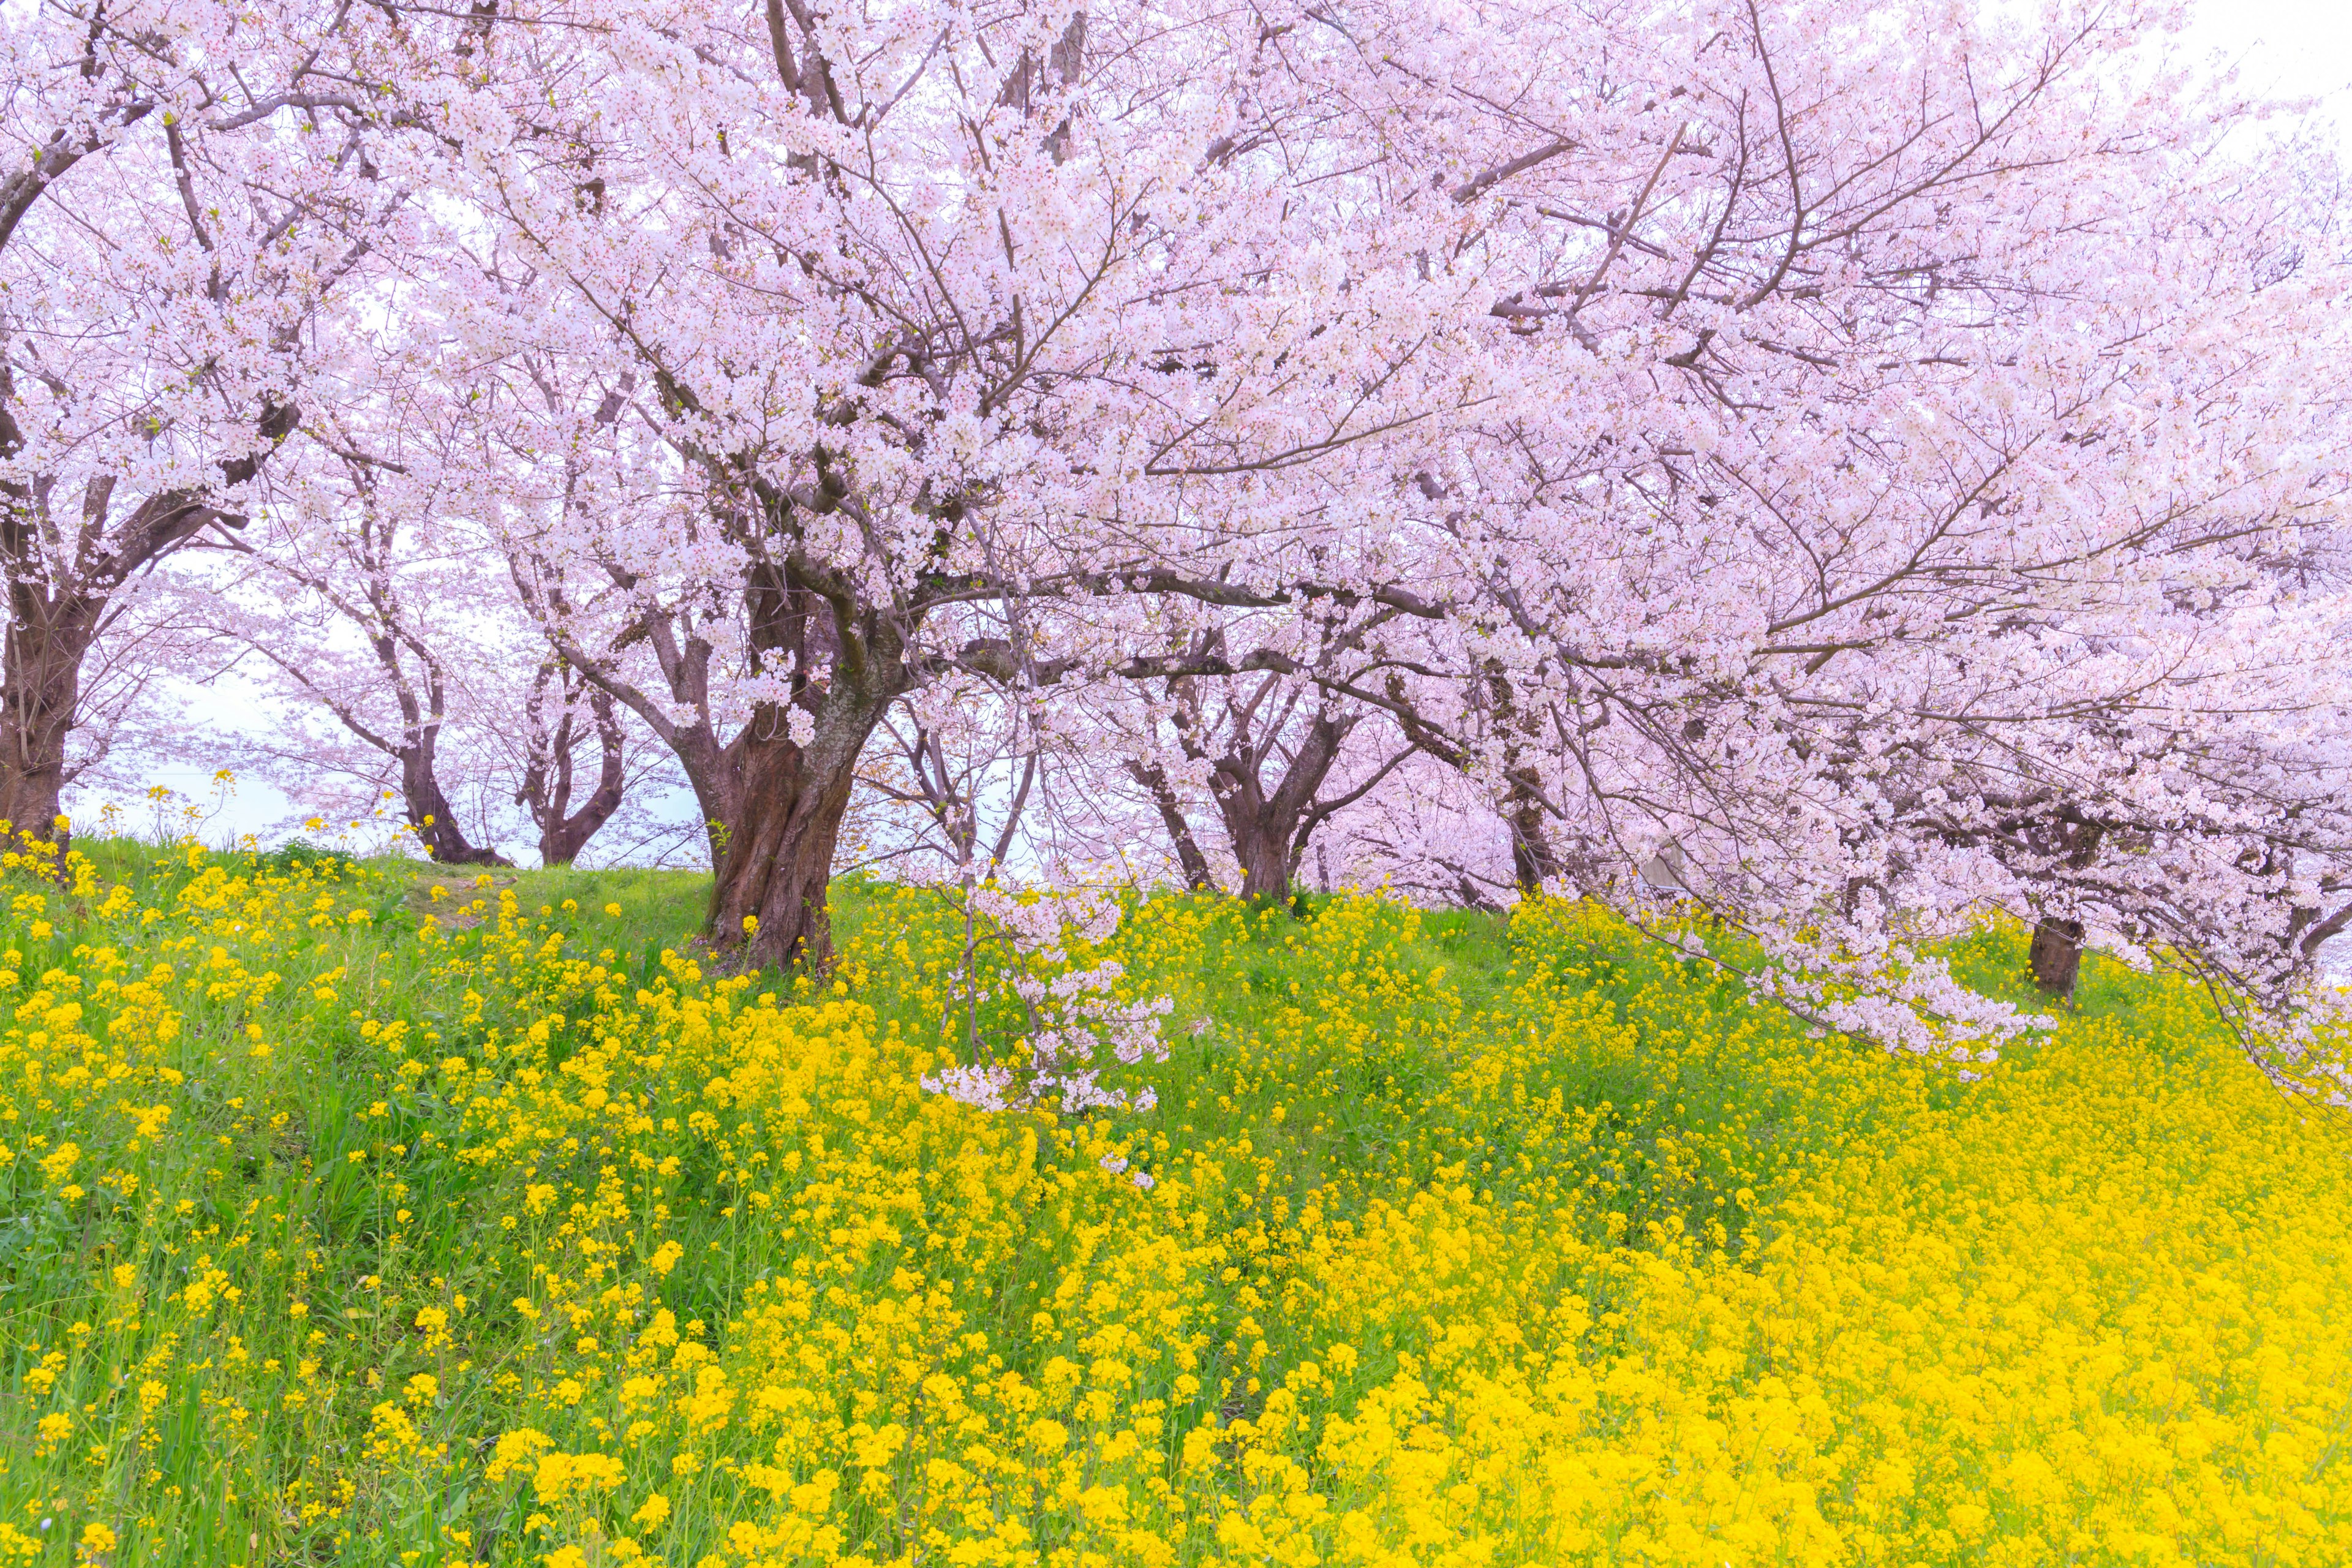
{"x": 1076, "y": 1016}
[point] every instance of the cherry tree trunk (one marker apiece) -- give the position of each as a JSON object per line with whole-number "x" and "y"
{"x": 1269, "y": 831}
{"x": 39, "y": 690}
{"x": 1263, "y": 848}
{"x": 1533, "y": 860}
{"x": 1189, "y": 857}
{"x": 428, "y": 812}
{"x": 2056, "y": 955}
{"x": 564, "y": 832}
{"x": 777, "y": 857}
{"x": 561, "y": 841}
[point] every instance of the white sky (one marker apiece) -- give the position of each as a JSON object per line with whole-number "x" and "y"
{"x": 2292, "y": 49}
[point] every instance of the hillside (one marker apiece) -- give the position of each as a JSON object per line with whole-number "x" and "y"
{"x": 375, "y": 1214}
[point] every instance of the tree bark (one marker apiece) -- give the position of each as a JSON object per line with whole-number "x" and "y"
{"x": 772, "y": 807}
{"x": 1194, "y": 864}
{"x": 1265, "y": 829}
{"x": 1533, "y": 860}
{"x": 776, "y": 862}
{"x": 47, "y": 641}
{"x": 848, "y": 660}
{"x": 1269, "y": 831}
{"x": 547, "y": 780}
{"x": 1262, "y": 845}
{"x": 428, "y": 809}
{"x": 2056, "y": 955}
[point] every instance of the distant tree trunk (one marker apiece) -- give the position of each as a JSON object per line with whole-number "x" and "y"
{"x": 547, "y": 780}
{"x": 1194, "y": 864}
{"x": 1534, "y": 861}
{"x": 2056, "y": 955}
{"x": 1262, "y": 844}
{"x": 1270, "y": 831}
{"x": 1472, "y": 896}
{"x": 417, "y": 748}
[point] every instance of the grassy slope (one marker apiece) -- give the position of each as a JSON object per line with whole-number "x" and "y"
{"x": 1394, "y": 1133}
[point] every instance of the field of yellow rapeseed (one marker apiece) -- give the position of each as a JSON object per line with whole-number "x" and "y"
{"x": 357, "y": 1214}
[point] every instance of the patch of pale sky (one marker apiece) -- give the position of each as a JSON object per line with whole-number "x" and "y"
{"x": 2285, "y": 48}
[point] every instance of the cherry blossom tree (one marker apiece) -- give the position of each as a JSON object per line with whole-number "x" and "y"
{"x": 401, "y": 662}
{"x": 1254, "y": 715}
{"x": 1105, "y": 305}
{"x": 398, "y": 658}
{"x": 1930, "y": 413}
{"x": 190, "y": 191}
{"x": 1742, "y": 398}
{"x": 1845, "y": 467}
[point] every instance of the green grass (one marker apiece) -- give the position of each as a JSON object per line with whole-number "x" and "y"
{"x": 1354, "y": 1112}
{"x": 1341, "y": 1064}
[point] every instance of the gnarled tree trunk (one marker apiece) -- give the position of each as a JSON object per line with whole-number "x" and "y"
{"x": 1262, "y": 839}
{"x": 547, "y": 780}
{"x": 776, "y": 863}
{"x": 1533, "y": 860}
{"x": 846, "y": 661}
{"x": 1270, "y": 831}
{"x": 428, "y": 809}
{"x": 715, "y": 774}
{"x": 1188, "y": 859}
{"x": 2055, "y": 955}
{"x": 47, "y": 641}
{"x": 772, "y": 807}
